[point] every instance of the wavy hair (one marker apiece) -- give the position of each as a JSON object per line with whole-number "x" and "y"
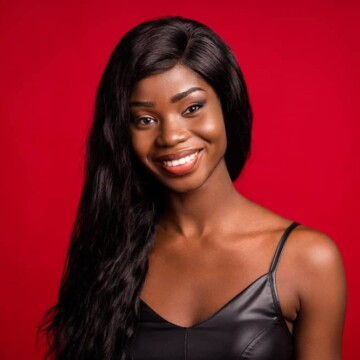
{"x": 113, "y": 233}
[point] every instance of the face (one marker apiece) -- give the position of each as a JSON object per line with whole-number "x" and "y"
{"x": 177, "y": 128}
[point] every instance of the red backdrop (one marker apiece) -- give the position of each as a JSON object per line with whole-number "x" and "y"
{"x": 301, "y": 62}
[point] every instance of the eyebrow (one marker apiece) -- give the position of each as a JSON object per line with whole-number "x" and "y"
{"x": 175, "y": 98}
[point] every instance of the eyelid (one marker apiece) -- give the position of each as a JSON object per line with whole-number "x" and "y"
{"x": 137, "y": 120}
{"x": 200, "y": 104}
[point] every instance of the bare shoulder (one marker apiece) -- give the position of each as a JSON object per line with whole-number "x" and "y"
{"x": 311, "y": 257}
{"x": 316, "y": 253}
{"x": 320, "y": 283}
{"x": 318, "y": 271}
{"x": 311, "y": 284}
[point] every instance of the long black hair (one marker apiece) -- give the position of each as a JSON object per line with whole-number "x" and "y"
{"x": 107, "y": 260}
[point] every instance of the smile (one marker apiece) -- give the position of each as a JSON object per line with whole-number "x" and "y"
{"x": 181, "y": 161}
{"x": 182, "y": 165}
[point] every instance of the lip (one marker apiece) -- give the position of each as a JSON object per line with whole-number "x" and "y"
{"x": 176, "y": 156}
{"x": 182, "y": 169}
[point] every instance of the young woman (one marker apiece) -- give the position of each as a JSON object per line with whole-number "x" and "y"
{"x": 167, "y": 260}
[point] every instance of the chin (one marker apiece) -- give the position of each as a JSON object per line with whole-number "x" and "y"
{"x": 182, "y": 188}
{"x": 183, "y": 184}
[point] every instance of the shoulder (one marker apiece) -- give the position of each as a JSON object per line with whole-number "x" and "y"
{"x": 311, "y": 258}
{"x": 311, "y": 283}
{"x": 320, "y": 287}
{"x": 315, "y": 251}
{"x": 317, "y": 263}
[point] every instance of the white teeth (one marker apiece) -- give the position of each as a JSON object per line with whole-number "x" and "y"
{"x": 184, "y": 160}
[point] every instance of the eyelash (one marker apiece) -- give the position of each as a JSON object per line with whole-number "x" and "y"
{"x": 138, "y": 120}
{"x": 197, "y": 105}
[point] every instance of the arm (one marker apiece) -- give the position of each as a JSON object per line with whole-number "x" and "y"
{"x": 322, "y": 296}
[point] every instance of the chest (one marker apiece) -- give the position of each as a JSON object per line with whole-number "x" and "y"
{"x": 188, "y": 287}
{"x": 247, "y": 327}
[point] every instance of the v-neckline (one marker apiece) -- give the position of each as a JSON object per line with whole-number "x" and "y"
{"x": 216, "y": 313}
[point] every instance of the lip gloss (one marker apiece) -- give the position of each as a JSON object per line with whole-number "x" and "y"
{"x": 179, "y": 169}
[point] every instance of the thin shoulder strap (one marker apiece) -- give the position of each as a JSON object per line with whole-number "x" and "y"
{"x": 281, "y": 245}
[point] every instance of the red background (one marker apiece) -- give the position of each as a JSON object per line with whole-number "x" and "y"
{"x": 301, "y": 63}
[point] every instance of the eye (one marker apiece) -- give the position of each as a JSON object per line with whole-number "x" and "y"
{"x": 143, "y": 121}
{"x": 193, "y": 108}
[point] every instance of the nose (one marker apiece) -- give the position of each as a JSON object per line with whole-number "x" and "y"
{"x": 171, "y": 132}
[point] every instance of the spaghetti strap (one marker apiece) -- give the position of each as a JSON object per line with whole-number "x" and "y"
{"x": 248, "y": 326}
{"x": 281, "y": 245}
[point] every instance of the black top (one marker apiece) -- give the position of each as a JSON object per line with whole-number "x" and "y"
{"x": 249, "y": 326}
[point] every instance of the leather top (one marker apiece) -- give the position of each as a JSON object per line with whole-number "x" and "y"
{"x": 249, "y": 326}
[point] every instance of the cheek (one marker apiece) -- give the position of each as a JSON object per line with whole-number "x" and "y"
{"x": 139, "y": 145}
{"x": 212, "y": 129}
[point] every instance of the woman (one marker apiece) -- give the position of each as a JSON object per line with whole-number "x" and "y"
{"x": 167, "y": 260}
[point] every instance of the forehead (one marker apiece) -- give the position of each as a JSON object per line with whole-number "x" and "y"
{"x": 163, "y": 85}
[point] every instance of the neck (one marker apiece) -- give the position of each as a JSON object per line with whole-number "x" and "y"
{"x": 200, "y": 211}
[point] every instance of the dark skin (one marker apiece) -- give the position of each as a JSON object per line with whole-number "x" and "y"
{"x": 208, "y": 235}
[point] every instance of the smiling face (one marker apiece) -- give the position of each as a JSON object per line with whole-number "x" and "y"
{"x": 177, "y": 128}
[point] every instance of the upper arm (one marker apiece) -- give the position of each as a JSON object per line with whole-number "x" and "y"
{"x": 321, "y": 287}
